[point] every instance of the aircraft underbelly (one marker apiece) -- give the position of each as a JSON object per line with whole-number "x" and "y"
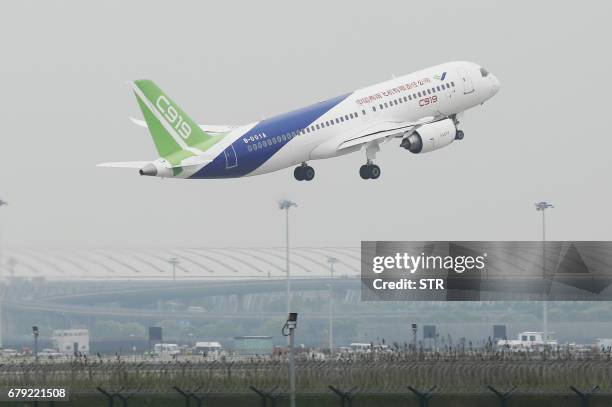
{"x": 291, "y": 154}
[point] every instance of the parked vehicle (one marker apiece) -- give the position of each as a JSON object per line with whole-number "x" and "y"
{"x": 528, "y": 341}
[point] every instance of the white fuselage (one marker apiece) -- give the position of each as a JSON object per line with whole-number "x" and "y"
{"x": 315, "y": 132}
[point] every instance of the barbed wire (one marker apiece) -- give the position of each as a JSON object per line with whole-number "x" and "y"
{"x": 390, "y": 372}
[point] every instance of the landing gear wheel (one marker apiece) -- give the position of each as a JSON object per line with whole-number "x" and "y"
{"x": 459, "y": 135}
{"x": 369, "y": 171}
{"x": 304, "y": 173}
{"x": 309, "y": 173}
{"x": 374, "y": 171}
{"x": 364, "y": 172}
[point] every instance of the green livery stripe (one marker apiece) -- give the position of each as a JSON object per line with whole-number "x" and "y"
{"x": 176, "y": 135}
{"x": 164, "y": 143}
{"x": 181, "y": 124}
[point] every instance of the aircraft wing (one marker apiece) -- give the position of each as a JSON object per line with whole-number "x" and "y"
{"x": 381, "y": 131}
{"x": 187, "y": 162}
{"x": 208, "y": 128}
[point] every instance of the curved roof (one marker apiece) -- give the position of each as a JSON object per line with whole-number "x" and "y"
{"x": 193, "y": 263}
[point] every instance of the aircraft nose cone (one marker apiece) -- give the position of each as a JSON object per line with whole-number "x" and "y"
{"x": 149, "y": 170}
{"x": 495, "y": 85}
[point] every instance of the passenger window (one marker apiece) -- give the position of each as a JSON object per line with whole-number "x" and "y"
{"x": 373, "y": 108}
{"x": 318, "y": 127}
{"x": 419, "y": 94}
{"x": 351, "y": 115}
{"x": 307, "y": 129}
{"x": 386, "y": 104}
{"x": 363, "y": 111}
{"x": 409, "y": 97}
{"x": 380, "y": 106}
{"x": 429, "y": 91}
{"x": 395, "y": 101}
{"x": 337, "y": 120}
{"x": 453, "y": 84}
{"x": 346, "y": 117}
{"x": 438, "y": 89}
{"x": 406, "y": 98}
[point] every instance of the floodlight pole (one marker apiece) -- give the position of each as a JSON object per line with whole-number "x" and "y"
{"x": 2, "y": 288}
{"x": 286, "y": 205}
{"x": 292, "y": 366}
{"x": 35, "y": 334}
{"x": 332, "y": 261}
{"x": 541, "y": 207}
{"x": 174, "y": 261}
{"x": 289, "y": 330}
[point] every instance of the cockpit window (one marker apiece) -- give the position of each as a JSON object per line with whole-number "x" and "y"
{"x": 484, "y": 72}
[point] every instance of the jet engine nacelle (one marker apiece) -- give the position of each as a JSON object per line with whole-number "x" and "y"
{"x": 430, "y": 137}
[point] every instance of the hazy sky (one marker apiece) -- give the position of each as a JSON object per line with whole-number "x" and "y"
{"x": 65, "y": 108}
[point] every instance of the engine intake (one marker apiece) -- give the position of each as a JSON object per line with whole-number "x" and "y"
{"x": 430, "y": 137}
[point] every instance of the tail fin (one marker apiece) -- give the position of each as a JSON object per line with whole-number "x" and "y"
{"x": 172, "y": 130}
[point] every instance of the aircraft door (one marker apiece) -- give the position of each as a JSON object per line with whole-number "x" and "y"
{"x": 468, "y": 86}
{"x": 231, "y": 160}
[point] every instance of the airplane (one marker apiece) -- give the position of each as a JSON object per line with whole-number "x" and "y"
{"x": 421, "y": 109}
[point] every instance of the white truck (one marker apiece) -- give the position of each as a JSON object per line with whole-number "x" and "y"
{"x": 528, "y": 341}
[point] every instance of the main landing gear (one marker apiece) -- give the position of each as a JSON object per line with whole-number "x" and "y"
{"x": 304, "y": 172}
{"x": 369, "y": 171}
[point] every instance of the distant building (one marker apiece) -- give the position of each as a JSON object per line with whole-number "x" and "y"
{"x": 253, "y": 345}
{"x": 71, "y": 341}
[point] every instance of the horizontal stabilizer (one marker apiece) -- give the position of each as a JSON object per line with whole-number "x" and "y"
{"x": 209, "y": 128}
{"x": 189, "y": 162}
{"x": 125, "y": 164}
